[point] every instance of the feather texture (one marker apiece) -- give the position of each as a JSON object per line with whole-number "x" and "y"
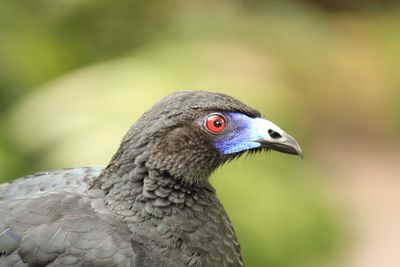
{"x": 151, "y": 206}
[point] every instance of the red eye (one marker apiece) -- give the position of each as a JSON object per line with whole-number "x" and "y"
{"x": 215, "y": 124}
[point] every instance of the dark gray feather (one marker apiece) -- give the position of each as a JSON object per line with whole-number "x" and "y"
{"x": 151, "y": 206}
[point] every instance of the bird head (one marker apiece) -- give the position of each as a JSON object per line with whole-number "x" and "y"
{"x": 188, "y": 134}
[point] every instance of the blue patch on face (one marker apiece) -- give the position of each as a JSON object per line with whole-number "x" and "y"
{"x": 242, "y": 133}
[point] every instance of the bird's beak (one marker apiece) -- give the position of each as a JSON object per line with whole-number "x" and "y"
{"x": 272, "y": 137}
{"x": 285, "y": 143}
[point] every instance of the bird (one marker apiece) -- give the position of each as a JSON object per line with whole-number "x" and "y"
{"x": 153, "y": 204}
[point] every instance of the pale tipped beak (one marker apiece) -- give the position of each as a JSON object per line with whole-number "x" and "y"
{"x": 272, "y": 137}
{"x": 282, "y": 142}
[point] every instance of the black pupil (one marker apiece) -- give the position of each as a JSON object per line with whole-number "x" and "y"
{"x": 218, "y": 123}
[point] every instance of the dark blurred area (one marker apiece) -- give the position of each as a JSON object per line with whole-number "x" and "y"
{"x": 76, "y": 74}
{"x": 354, "y": 5}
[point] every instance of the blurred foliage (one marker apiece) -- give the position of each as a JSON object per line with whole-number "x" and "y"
{"x": 76, "y": 74}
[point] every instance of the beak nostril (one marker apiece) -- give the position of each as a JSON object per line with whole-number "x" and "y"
{"x": 274, "y": 134}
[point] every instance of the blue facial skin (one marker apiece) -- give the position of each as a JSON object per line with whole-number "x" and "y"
{"x": 242, "y": 133}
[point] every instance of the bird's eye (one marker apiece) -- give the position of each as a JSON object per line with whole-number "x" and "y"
{"x": 215, "y": 123}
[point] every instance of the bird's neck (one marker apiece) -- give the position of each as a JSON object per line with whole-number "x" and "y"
{"x": 154, "y": 192}
{"x": 181, "y": 217}
{"x": 130, "y": 184}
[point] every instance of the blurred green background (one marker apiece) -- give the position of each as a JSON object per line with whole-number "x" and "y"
{"x": 76, "y": 74}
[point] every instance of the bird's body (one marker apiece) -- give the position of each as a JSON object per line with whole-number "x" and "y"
{"x": 151, "y": 206}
